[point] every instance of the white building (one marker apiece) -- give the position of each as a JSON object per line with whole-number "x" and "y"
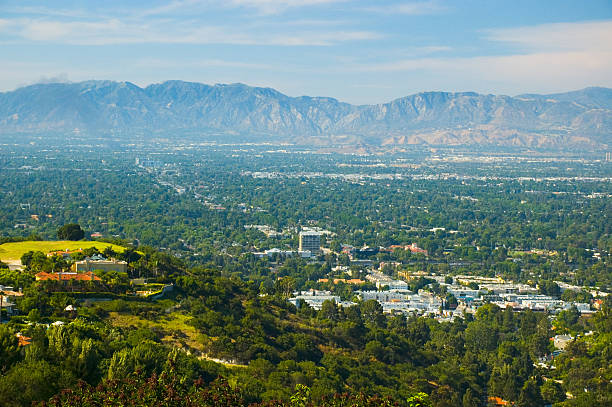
{"x": 385, "y": 296}
{"x": 310, "y": 241}
{"x": 314, "y": 298}
{"x": 89, "y": 265}
{"x": 284, "y": 253}
{"x": 464, "y": 294}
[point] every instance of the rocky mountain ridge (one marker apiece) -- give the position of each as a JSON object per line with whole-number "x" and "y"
{"x": 580, "y": 118}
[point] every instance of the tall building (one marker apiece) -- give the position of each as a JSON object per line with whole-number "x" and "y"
{"x": 310, "y": 241}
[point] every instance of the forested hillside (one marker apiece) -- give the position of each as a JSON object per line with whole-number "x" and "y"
{"x": 268, "y": 346}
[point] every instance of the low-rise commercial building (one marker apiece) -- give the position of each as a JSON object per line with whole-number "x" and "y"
{"x": 90, "y": 264}
{"x": 314, "y": 298}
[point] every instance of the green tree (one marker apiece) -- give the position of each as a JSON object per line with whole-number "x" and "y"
{"x": 540, "y": 342}
{"x": 34, "y": 315}
{"x": 301, "y": 396}
{"x": 419, "y": 400}
{"x": 530, "y": 395}
{"x": 551, "y": 288}
{"x": 372, "y": 313}
{"x": 31, "y": 381}
{"x": 329, "y": 310}
{"x": 376, "y": 350}
{"x": 70, "y": 231}
{"x": 285, "y": 286}
{"x": 470, "y": 399}
{"x": 567, "y": 319}
{"x": 552, "y": 392}
{"x": 480, "y": 336}
{"x": 9, "y": 351}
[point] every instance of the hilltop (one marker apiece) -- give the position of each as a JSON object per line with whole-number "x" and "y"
{"x": 14, "y": 250}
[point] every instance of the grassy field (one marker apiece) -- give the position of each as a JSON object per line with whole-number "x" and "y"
{"x": 170, "y": 324}
{"x": 175, "y": 331}
{"x": 14, "y": 251}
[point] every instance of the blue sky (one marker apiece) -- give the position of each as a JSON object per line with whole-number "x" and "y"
{"x": 356, "y": 51}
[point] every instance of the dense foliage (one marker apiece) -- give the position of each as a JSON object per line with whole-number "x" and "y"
{"x": 272, "y": 347}
{"x": 71, "y": 231}
{"x": 162, "y": 391}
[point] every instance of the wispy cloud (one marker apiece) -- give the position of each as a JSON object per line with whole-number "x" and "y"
{"x": 200, "y": 63}
{"x": 410, "y": 8}
{"x": 117, "y": 31}
{"x": 60, "y": 78}
{"x": 573, "y": 54}
{"x": 4, "y": 24}
{"x": 523, "y": 65}
{"x": 279, "y": 6}
{"x": 591, "y": 35}
{"x": 15, "y": 74}
{"x": 265, "y": 7}
{"x": 179, "y": 22}
{"x": 49, "y": 12}
{"x": 171, "y": 7}
{"x": 311, "y": 23}
{"x": 282, "y": 3}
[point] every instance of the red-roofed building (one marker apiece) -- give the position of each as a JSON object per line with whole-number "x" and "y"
{"x": 498, "y": 401}
{"x": 412, "y": 248}
{"x": 23, "y": 340}
{"x": 342, "y": 280}
{"x": 64, "y": 253}
{"x": 42, "y": 276}
{"x": 416, "y": 249}
{"x": 10, "y": 293}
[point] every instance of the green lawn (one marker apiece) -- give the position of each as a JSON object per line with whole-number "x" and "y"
{"x": 14, "y": 251}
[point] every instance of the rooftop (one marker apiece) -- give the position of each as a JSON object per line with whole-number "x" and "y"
{"x": 43, "y": 276}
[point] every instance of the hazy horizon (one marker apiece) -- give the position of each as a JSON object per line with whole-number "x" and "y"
{"x": 360, "y": 52}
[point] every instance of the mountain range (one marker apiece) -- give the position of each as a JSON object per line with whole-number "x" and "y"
{"x": 565, "y": 120}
